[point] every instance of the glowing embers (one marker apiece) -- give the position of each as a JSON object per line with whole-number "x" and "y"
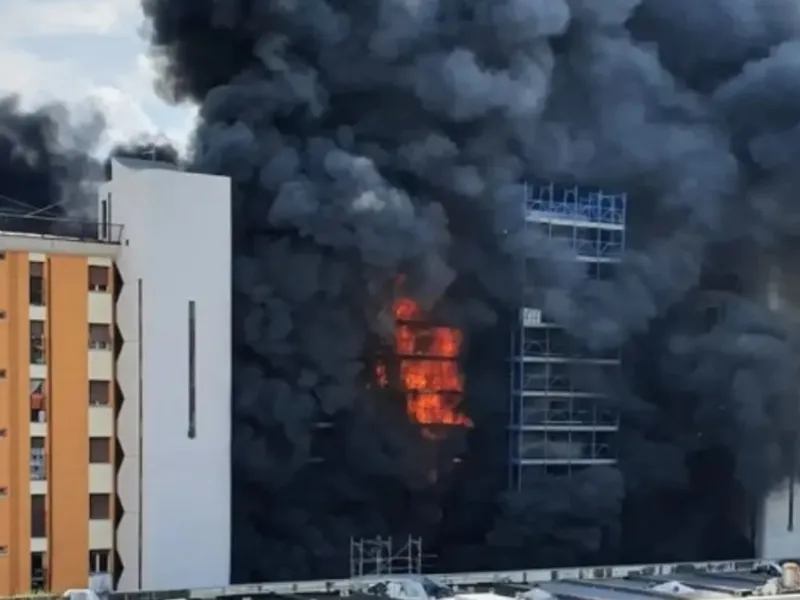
{"x": 428, "y": 368}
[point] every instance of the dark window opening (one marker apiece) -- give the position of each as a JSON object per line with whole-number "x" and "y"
{"x": 99, "y": 506}
{"x": 37, "y": 343}
{"x": 99, "y": 393}
{"x": 38, "y": 516}
{"x": 36, "y": 284}
{"x": 99, "y": 451}
{"x": 192, "y": 432}
{"x": 38, "y": 401}
{"x": 38, "y": 459}
{"x": 99, "y": 278}
{"x": 99, "y": 336}
{"x": 38, "y": 572}
{"x": 104, "y": 218}
{"x": 99, "y": 561}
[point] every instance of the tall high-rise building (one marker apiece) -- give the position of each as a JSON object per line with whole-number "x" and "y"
{"x": 115, "y": 388}
{"x": 560, "y": 420}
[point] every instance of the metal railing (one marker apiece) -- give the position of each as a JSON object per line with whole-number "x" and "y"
{"x": 81, "y": 230}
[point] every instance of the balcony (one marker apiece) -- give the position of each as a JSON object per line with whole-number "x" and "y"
{"x": 38, "y": 464}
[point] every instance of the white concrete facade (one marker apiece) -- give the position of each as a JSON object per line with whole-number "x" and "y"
{"x": 101, "y": 534}
{"x": 101, "y": 479}
{"x": 101, "y": 421}
{"x": 174, "y": 487}
{"x": 778, "y": 523}
{"x": 101, "y": 364}
{"x": 778, "y": 519}
{"x": 101, "y": 308}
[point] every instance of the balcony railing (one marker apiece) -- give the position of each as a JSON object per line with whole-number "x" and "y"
{"x": 82, "y": 230}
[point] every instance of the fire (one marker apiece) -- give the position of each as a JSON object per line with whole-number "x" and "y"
{"x": 428, "y": 368}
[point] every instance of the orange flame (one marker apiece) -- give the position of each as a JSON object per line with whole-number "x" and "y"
{"x": 429, "y": 371}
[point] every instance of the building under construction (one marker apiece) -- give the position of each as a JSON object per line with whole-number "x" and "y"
{"x": 560, "y": 420}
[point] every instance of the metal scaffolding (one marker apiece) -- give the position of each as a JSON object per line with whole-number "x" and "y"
{"x": 560, "y": 419}
{"x": 385, "y": 555}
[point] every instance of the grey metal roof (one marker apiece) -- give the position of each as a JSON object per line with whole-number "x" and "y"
{"x": 648, "y": 587}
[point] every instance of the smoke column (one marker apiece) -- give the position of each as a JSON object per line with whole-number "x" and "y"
{"x": 45, "y": 162}
{"x": 371, "y": 139}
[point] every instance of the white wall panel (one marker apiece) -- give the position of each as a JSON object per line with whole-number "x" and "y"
{"x": 37, "y": 313}
{"x": 177, "y": 248}
{"x": 101, "y": 307}
{"x": 38, "y": 488}
{"x": 778, "y": 524}
{"x": 101, "y": 421}
{"x": 38, "y": 429}
{"x": 37, "y": 372}
{"x": 38, "y": 544}
{"x": 101, "y": 534}
{"x": 101, "y": 479}
{"x": 101, "y": 365}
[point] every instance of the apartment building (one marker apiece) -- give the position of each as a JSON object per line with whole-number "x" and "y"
{"x": 56, "y": 420}
{"x": 115, "y": 389}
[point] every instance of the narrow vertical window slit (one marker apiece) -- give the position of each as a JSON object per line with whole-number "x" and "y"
{"x": 192, "y": 433}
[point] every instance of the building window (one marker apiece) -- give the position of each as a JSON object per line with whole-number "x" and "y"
{"x": 2, "y": 373}
{"x": 3, "y": 492}
{"x": 99, "y": 336}
{"x": 2, "y": 314}
{"x": 2, "y": 255}
{"x": 3, "y": 550}
{"x": 38, "y": 516}
{"x": 3, "y": 432}
{"x": 99, "y": 450}
{"x": 99, "y": 278}
{"x": 38, "y": 459}
{"x": 38, "y": 573}
{"x": 36, "y": 284}
{"x": 99, "y": 393}
{"x": 38, "y": 403}
{"x": 37, "y": 343}
{"x": 99, "y": 561}
{"x": 99, "y": 506}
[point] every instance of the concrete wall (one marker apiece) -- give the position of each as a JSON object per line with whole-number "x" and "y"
{"x": 174, "y": 487}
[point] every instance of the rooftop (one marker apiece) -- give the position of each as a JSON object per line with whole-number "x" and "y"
{"x": 764, "y": 580}
{"x": 61, "y": 235}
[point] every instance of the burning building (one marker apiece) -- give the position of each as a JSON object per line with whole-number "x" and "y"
{"x": 427, "y": 369}
{"x": 365, "y": 140}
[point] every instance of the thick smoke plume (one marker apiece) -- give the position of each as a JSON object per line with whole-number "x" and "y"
{"x": 49, "y": 165}
{"x": 45, "y": 163}
{"x": 370, "y": 139}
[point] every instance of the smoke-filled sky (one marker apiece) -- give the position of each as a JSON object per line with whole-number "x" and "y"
{"x": 372, "y": 139}
{"x": 76, "y": 51}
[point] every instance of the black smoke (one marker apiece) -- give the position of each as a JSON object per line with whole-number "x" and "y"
{"x": 45, "y": 163}
{"x": 369, "y": 139}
